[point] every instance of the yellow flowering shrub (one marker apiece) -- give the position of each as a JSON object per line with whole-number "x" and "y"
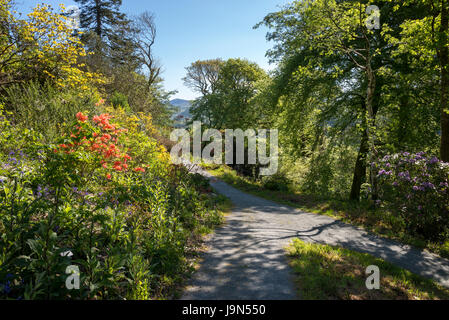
{"x": 43, "y": 46}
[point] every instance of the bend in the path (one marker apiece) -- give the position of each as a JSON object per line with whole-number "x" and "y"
{"x": 246, "y": 259}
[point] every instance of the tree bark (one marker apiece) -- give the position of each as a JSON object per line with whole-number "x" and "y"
{"x": 98, "y": 24}
{"x": 360, "y": 169}
{"x": 371, "y": 122}
{"x": 444, "y": 62}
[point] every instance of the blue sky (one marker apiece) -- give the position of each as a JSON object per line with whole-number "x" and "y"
{"x": 190, "y": 30}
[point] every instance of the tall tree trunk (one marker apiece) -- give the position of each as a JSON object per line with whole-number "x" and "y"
{"x": 371, "y": 123}
{"x": 360, "y": 169}
{"x": 404, "y": 120}
{"x": 444, "y": 62}
{"x": 98, "y": 24}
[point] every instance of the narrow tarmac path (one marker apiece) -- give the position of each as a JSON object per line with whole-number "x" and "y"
{"x": 246, "y": 258}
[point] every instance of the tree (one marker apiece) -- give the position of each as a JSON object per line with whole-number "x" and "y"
{"x": 107, "y": 33}
{"x": 100, "y": 16}
{"x": 338, "y": 29}
{"x": 41, "y": 48}
{"x": 227, "y": 88}
{"x": 203, "y": 76}
{"x": 145, "y": 38}
{"x": 428, "y": 36}
{"x": 237, "y": 85}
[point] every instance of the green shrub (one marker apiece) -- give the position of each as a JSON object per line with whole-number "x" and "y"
{"x": 278, "y": 182}
{"x": 120, "y": 100}
{"x": 45, "y": 108}
{"x": 102, "y": 197}
{"x": 416, "y": 188}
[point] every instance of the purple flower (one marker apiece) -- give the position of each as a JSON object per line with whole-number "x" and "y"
{"x": 7, "y": 287}
{"x": 428, "y": 185}
{"x": 434, "y": 160}
{"x": 404, "y": 175}
{"x": 415, "y": 188}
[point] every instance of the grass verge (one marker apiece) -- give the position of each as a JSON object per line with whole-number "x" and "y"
{"x": 360, "y": 214}
{"x": 331, "y": 273}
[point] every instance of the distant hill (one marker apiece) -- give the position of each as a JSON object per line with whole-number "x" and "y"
{"x": 180, "y": 103}
{"x": 183, "y": 115}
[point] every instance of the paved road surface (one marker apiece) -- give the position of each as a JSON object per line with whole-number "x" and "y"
{"x": 246, "y": 259}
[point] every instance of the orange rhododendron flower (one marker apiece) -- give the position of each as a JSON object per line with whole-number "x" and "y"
{"x": 100, "y": 102}
{"x": 81, "y": 117}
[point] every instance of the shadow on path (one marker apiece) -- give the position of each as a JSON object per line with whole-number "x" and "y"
{"x": 246, "y": 257}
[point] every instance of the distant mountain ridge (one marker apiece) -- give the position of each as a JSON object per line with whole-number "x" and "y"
{"x": 183, "y": 115}
{"x": 181, "y": 103}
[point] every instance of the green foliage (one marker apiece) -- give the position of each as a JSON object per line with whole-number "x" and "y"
{"x": 120, "y": 100}
{"x": 227, "y": 91}
{"x": 102, "y": 17}
{"x": 277, "y": 182}
{"x": 45, "y": 108}
{"x": 125, "y": 224}
{"x": 341, "y": 89}
{"x": 41, "y": 47}
{"x": 416, "y": 188}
